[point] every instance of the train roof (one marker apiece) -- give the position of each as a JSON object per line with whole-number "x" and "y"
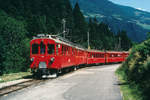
{"x": 64, "y": 41}
{"x": 59, "y": 39}
{"x": 95, "y": 51}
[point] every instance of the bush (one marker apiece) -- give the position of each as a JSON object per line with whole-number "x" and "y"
{"x": 136, "y": 69}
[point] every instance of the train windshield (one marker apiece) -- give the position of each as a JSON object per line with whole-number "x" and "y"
{"x": 42, "y": 48}
{"x": 50, "y": 48}
{"x": 35, "y": 48}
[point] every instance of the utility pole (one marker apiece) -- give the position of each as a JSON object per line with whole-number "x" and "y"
{"x": 119, "y": 45}
{"x": 88, "y": 37}
{"x": 64, "y": 27}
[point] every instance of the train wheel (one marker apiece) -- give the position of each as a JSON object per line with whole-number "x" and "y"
{"x": 37, "y": 75}
{"x": 55, "y": 73}
{"x": 75, "y": 68}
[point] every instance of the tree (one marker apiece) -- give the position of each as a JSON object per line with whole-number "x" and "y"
{"x": 13, "y": 36}
{"x": 80, "y": 28}
{"x": 125, "y": 41}
{"x": 148, "y": 35}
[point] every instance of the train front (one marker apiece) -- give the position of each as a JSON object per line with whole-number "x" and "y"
{"x": 42, "y": 55}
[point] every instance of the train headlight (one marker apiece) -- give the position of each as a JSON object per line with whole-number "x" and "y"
{"x": 52, "y": 59}
{"x": 42, "y": 65}
{"x": 32, "y": 59}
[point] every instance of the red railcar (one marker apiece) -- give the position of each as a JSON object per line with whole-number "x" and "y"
{"x": 112, "y": 57}
{"x": 50, "y": 54}
{"x": 95, "y": 57}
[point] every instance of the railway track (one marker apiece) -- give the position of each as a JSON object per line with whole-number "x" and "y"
{"x": 19, "y": 86}
{"x": 9, "y": 89}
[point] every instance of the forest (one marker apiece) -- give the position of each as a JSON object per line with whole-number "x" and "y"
{"x": 20, "y": 20}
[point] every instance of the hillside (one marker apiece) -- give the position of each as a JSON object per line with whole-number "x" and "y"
{"x": 134, "y": 21}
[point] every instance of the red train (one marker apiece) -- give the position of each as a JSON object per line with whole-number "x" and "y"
{"x": 51, "y": 54}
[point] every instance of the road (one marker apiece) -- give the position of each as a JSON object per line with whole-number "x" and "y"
{"x": 92, "y": 83}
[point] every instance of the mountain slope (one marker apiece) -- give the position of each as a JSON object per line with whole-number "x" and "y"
{"x": 118, "y": 17}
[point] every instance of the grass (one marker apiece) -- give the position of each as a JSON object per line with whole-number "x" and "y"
{"x": 129, "y": 91}
{"x": 14, "y": 76}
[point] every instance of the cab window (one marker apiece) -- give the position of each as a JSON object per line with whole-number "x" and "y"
{"x": 50, "y": 48}
{"x": 35, "y": 48}
{"x": 42, "y": 48}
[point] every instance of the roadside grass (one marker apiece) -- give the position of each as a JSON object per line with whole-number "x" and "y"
{"x": 129, "y": 91}
{"x": 14, "y": 76}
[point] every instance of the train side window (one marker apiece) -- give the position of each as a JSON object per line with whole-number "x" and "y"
{"x": 76, "y": 52}
{"x": 73, "y": 51}
{"x": 70, "y": 52}
{"x": 103, "y": 55}
{"x": 57, "y": 49}
{"x": 65, "y": 49}
{"x": 110, "y": 55}
{"x": 115, "y": 55}
{"x": 42, "y": 48}
{"x": 50, "y": 48}
{"x": 62, "y": 50}
{"x": 35, "y": 48}
{"x": 90, "y": 55}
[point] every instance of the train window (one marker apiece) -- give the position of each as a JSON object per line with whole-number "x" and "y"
{"x": 42, "y": 48}
{"x": 90, "y": 55}
{"x": 68, "y": 50}
{"x": 50, "y": 48}
{"x": 65, "y": 50}
{"x": 76, "y": 52}
{"x": 62, "y": 49}
{"x": 73, "y": 51}
{"x": 35, "y": 48}
{"x": 111, "y": 55}
{"x": 57, "y": 49}
{"x": 96, "y": 55}
{"x": 102, "y": 55}
{"x": 115, "y": 55}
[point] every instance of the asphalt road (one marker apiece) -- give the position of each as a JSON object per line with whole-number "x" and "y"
{"x": 92, "y": 83}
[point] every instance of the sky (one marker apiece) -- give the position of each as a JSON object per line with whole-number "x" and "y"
{"x": 139, "y": 4}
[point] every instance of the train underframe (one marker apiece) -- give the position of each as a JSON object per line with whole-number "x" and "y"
{"x": 51, "y": 73}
